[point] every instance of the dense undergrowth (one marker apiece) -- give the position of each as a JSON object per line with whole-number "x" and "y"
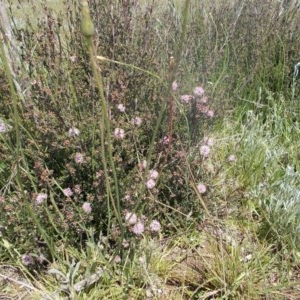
{"x": 152, "y": 151}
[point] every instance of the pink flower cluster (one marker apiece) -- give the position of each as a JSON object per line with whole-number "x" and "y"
{"x": 137, "y": 225}
{"x": 186, "y": 98}
{"x": 205, "y": 152}
{"x": 151, "y": 182}
{"x": 201, "y": 101}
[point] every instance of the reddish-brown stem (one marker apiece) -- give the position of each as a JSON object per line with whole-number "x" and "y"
{"x": 171, "y": 113}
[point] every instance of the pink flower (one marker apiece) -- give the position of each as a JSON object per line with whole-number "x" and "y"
{"x": 87, "y": 208}
{"x": 150, "y": 184}
{"x": 201, "y": 188}
{"x": 231, "y": 158}
{"x": 198, "y": 91}
{"x": 155, "y": 226}
{"x": 121, "y": 107}
{"x": 137, "y": 121}
{"x": 73, "y": 131}
{"x": 79, "y": 158}
{"x": 41, "y": 197}
{"x": 131, "y": 218}
{"x": 174, "y": 86}
{"x": 153, "y": 174}
{"x": 204, "y": 150}
{"x": 186, "y": 98}
{"x": 210, "y": 113}
{"x": 138, "y": 228}
{"x": 3, "y": 126}
{"x": 27, "y": 260}
{"x": 67, "y": 192}
{"x": 119, "y": 133}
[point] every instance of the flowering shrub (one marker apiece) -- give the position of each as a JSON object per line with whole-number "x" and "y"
{"x": 78, "y": 173}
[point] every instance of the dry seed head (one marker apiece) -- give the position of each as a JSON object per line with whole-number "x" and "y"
{"x": 87, "y": 26}
{"x": 171, "y": 63}
{"x": 171, "y": 69}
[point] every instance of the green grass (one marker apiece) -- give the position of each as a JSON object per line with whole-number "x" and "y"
{"x": 114, "y": 186}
